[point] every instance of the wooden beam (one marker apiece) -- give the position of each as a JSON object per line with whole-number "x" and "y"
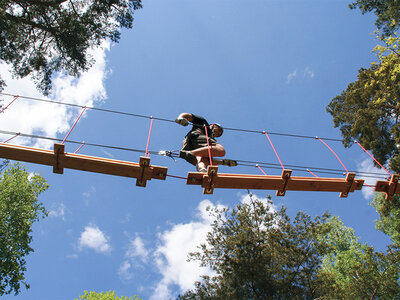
{"x": 60, "y": 160}
{"x": 282, "y": 183}
{"x": 390, "y": 188}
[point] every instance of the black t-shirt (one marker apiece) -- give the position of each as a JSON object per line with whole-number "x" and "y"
{"x": 198, "y": 126}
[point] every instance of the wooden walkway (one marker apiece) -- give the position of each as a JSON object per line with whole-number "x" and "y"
{"x": 144, "y": 171}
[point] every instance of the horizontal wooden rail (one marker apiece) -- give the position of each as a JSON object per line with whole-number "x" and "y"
{"x": 281, "y": 184}
{"x": 142, "y": 171}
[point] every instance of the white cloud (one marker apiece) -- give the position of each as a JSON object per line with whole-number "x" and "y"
{"x": 291, "y": 76}
{"x": 306, "y": 73}
{"x": 171, "y": 255}
{"x": 93, "y": 238}
{"x": 137, "y": 249}
{"x": 368, "y": 166}
{"x": 33, "y": 117}
{"x": 58, "y": 212}
{"x": 136, "y": 254}
{"x": 124, "y": 271}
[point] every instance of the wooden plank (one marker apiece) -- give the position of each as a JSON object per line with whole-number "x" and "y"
{"x": 80, "y": 162}
{"x": 244, "y": 181}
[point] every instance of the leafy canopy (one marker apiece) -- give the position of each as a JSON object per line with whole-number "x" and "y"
{"x": 45, "y": 36}
{"x": 351, "y": 270}
{"x": 19, "y": 209}
{"x": 110, "y": 295}
{"x": 259, "y": 253}
{"x": 369, "y": 109}
{"x": 387, "y": 11}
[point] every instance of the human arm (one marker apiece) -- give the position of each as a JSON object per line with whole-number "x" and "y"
{"x": 184, "y": 119}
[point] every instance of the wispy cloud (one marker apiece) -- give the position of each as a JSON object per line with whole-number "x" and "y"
{"x": 93, "y": 238}
{"x": 307, "y": 72}
{"x": 58, "y": 211}
{"x": 134, "y": 256}
{"x": 291, "y": 76}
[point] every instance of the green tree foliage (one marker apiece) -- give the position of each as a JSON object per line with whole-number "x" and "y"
{"x": 387, "y": 11}
{"x": 19, "y": 209}
{"x": 41, "y": 37}
{"x": 105, "y": 296}
{"x": 369, "y": 109}
{"x": 352, "y": 270}
{"x": 389, "y": 216}
{"x": 259, "y": 253}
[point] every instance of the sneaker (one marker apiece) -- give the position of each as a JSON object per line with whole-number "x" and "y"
{"x": 189, "y": 157}
{"x": 202, "y": 170}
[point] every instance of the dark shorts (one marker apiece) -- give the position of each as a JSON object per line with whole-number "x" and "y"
{"x": 196, "y": 140}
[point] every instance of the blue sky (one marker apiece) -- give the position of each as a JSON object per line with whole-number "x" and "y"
{"x": 262, "y": 65}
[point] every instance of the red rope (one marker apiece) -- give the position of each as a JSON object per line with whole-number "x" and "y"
{"x": 76, "y": 151}
{"x": 312, "y": 173}
{"x": 208, "y": 145}
{"x": 176, "y": 176}
{"x": 372, "y": 157}
{"x": 6, "y": 141}
{"x": 368, "y": 185}
{"x": 261, "y": 170}
{"x": 333, "y": 153}
{"x": 83, "y": 110}
{"x": 15, "y": 98}
{"x": 274, "y": 149}
{"x": 148, "y": 139}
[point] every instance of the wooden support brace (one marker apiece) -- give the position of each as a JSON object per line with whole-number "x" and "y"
{"x": 350, "y": 180}
{"x": 285, "y": 179}
{"x": 144, "y": 164}
{"x": 209, "y": 179}
{"x": 392, "y": 186}
{"x": 59, "y": 155}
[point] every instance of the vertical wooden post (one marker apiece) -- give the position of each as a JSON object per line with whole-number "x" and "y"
{"x": 144, "y": 163}
{"x": 392, "y": 186}
{"x": 286, "y": 177}
{"x": 58, "y": 157}
{"x": 350, "y": 180}
{"x": 208, "y": 181}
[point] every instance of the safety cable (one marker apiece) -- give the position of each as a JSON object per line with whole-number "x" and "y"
{"x": 175, "y": 155}
{"x": 163, "y": 119}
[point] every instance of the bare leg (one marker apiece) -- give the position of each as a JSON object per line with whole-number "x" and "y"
{"x": 216, "y": 150}
{"x": 204, "y": 162}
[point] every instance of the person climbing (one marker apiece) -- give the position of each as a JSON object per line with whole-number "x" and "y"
{"x": 195, "y": 149}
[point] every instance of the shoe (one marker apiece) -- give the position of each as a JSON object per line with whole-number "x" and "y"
{"x": 203, "y": 170}
{"x": 189, "y": 157}
{"x": 229, "y": 162}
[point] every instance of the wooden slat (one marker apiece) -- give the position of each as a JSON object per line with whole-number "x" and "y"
{"x": 80, "y": 162}
{"x": 244, "y": 181}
